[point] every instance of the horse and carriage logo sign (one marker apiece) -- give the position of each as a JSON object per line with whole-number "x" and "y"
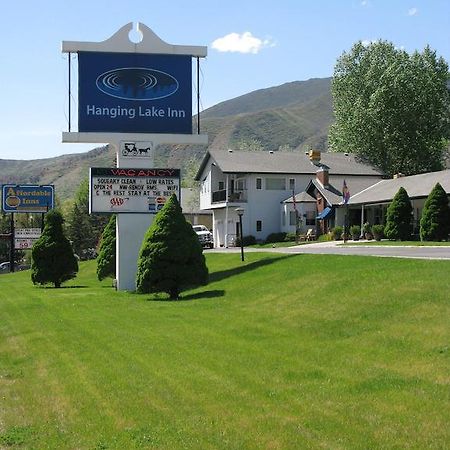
{"x": 137, "y": 149}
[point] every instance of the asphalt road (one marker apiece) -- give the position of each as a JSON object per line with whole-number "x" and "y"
{"x": 331, "y": 248}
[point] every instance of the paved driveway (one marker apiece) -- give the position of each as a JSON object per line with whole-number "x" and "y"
{"x": 332, "y": 248}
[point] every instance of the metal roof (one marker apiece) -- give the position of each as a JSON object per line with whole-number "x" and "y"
{"x": 416, "y": 186}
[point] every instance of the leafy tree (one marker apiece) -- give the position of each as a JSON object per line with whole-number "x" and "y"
{"x": 84, "y": 230}
{"x": 52, "y": 256}
{"x": 391, "y": 108}
{"x": 106, "y": 260}
{"x": 435, "y": 220}
{"x": 171, "y": 257}
{"x": 399, "y": 217}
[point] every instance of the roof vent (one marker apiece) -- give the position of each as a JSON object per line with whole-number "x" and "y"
{"x": 271, "y": 152}
{"x": 230, "y": 150}
{"x": 346, "y": 153}
{"x": 398, "y": 175}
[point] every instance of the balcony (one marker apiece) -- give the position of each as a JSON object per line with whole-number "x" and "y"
{"x": 233, "y": 197}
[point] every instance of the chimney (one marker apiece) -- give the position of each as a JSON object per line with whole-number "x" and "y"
{"x": 323, "y": 177}
{"x": 398, "y": 175}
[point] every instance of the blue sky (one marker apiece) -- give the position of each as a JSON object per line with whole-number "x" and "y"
{"x": 251, "y": 45}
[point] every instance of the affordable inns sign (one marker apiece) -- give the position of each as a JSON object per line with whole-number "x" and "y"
{"x": 134, "y": 93}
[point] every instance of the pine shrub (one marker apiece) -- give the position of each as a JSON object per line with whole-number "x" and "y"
{"x": 52, "y": 255}
{"x": 435, "y": 220}
{"x": 106, "y": 260}
{"x": 171, "y": 257}
{"x": 399, "y": 217}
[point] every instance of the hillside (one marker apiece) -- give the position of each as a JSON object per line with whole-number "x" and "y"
{"x": 293, "y": 116}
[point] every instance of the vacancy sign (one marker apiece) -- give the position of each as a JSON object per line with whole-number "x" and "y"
{"x": 120, "y": 190}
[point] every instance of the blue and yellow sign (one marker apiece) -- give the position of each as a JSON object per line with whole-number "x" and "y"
{"x": 27, "y": 198}
{"x": 134, "y": 93}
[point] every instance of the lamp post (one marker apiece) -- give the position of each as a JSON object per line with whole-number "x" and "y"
{"x": 240, "y": 213}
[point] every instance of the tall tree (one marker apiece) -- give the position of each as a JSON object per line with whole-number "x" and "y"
{"x": 52, "y": 256}
{"x": 84, "y": 229}
{"x": 399, "y": 217}
{"x": 171, "y": 257}
{"x": 435, "y": 220}
{"x": 106, "y": 260}
{"x": 391, "y": 108}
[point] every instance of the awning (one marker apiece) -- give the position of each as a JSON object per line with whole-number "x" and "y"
{"x": 325, "y": 213}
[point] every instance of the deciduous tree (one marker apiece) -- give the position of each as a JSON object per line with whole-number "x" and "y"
{"x": 391, "y": 108}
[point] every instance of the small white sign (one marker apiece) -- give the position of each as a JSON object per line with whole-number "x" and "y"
{"x": 23, "y": 244}
{"x": 138, "y": 149}
{"x": 30, "y": 233}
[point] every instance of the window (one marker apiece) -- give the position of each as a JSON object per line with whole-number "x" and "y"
{"x": 292, "y": 218}
{"x": 291, "y": 184}
{"x": 310, "y": 218}
{"x": 240, "y": 184}
{"x": 275, "y": 184}
{"x": 259, "y": 225}
{"x": 221, "y": 186}
{"x": 258, "y": 183}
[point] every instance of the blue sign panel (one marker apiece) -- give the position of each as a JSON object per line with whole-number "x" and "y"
{"x": 27, "y": 198}
{"x": 134, "y": 93}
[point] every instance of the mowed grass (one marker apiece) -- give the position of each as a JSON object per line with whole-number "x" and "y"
{"x": 279, "y": 352}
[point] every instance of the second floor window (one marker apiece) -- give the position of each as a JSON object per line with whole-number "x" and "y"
{"x": 259, "y": 183}
{"x": 291, "y": 184}
{"x": 221, "y": 185}
{"x": 275, "y": 184}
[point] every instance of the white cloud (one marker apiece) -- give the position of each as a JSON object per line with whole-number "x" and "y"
{"x": 412, "y": 11}
{"x": 241, "y": 43}
{"x": 367, "y": 42}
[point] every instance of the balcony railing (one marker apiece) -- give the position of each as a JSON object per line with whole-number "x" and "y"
{"x": 233, "y": 197}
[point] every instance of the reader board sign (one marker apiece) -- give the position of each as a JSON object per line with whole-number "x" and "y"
{"x": 123, "y": 190}
{"x": 134, "y": 93}
{"x": 28, "y": 233}
{"x": 27, "y": 198}
{"x": 24, "y": 238}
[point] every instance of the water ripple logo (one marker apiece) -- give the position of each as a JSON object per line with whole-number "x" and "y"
{"x": 137, "y": 83}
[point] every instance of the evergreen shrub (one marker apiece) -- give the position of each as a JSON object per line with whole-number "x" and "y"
{"x": 399, "y": 217}
{"x": 171, "y": 257}
{"x": 53, "y": 260}
{"x": 435, "y": 220}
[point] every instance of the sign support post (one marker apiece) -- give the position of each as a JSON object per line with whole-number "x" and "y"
{"x": 12, "y": 251}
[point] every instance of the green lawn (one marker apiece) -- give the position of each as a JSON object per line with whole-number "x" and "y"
{"x": 279, "y": 352}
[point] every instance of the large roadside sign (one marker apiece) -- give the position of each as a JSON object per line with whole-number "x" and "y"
{"x": 27, "y": 198}
{"x": 120, "y": 190}
{"x": 134, "y": 93}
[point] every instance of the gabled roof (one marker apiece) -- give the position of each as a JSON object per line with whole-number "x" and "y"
{"x": 417, "y": 186}
{"x": 302, "y": 197}
{"x": 236, "y": 161}
{"x": 332, "y": 195}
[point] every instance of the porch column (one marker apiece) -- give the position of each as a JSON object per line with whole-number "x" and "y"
{"x": 362, "y": 220}
{"x": 226, "y": 211}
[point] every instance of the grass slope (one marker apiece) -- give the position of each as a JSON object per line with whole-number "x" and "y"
{"x": 278, "y": 352}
